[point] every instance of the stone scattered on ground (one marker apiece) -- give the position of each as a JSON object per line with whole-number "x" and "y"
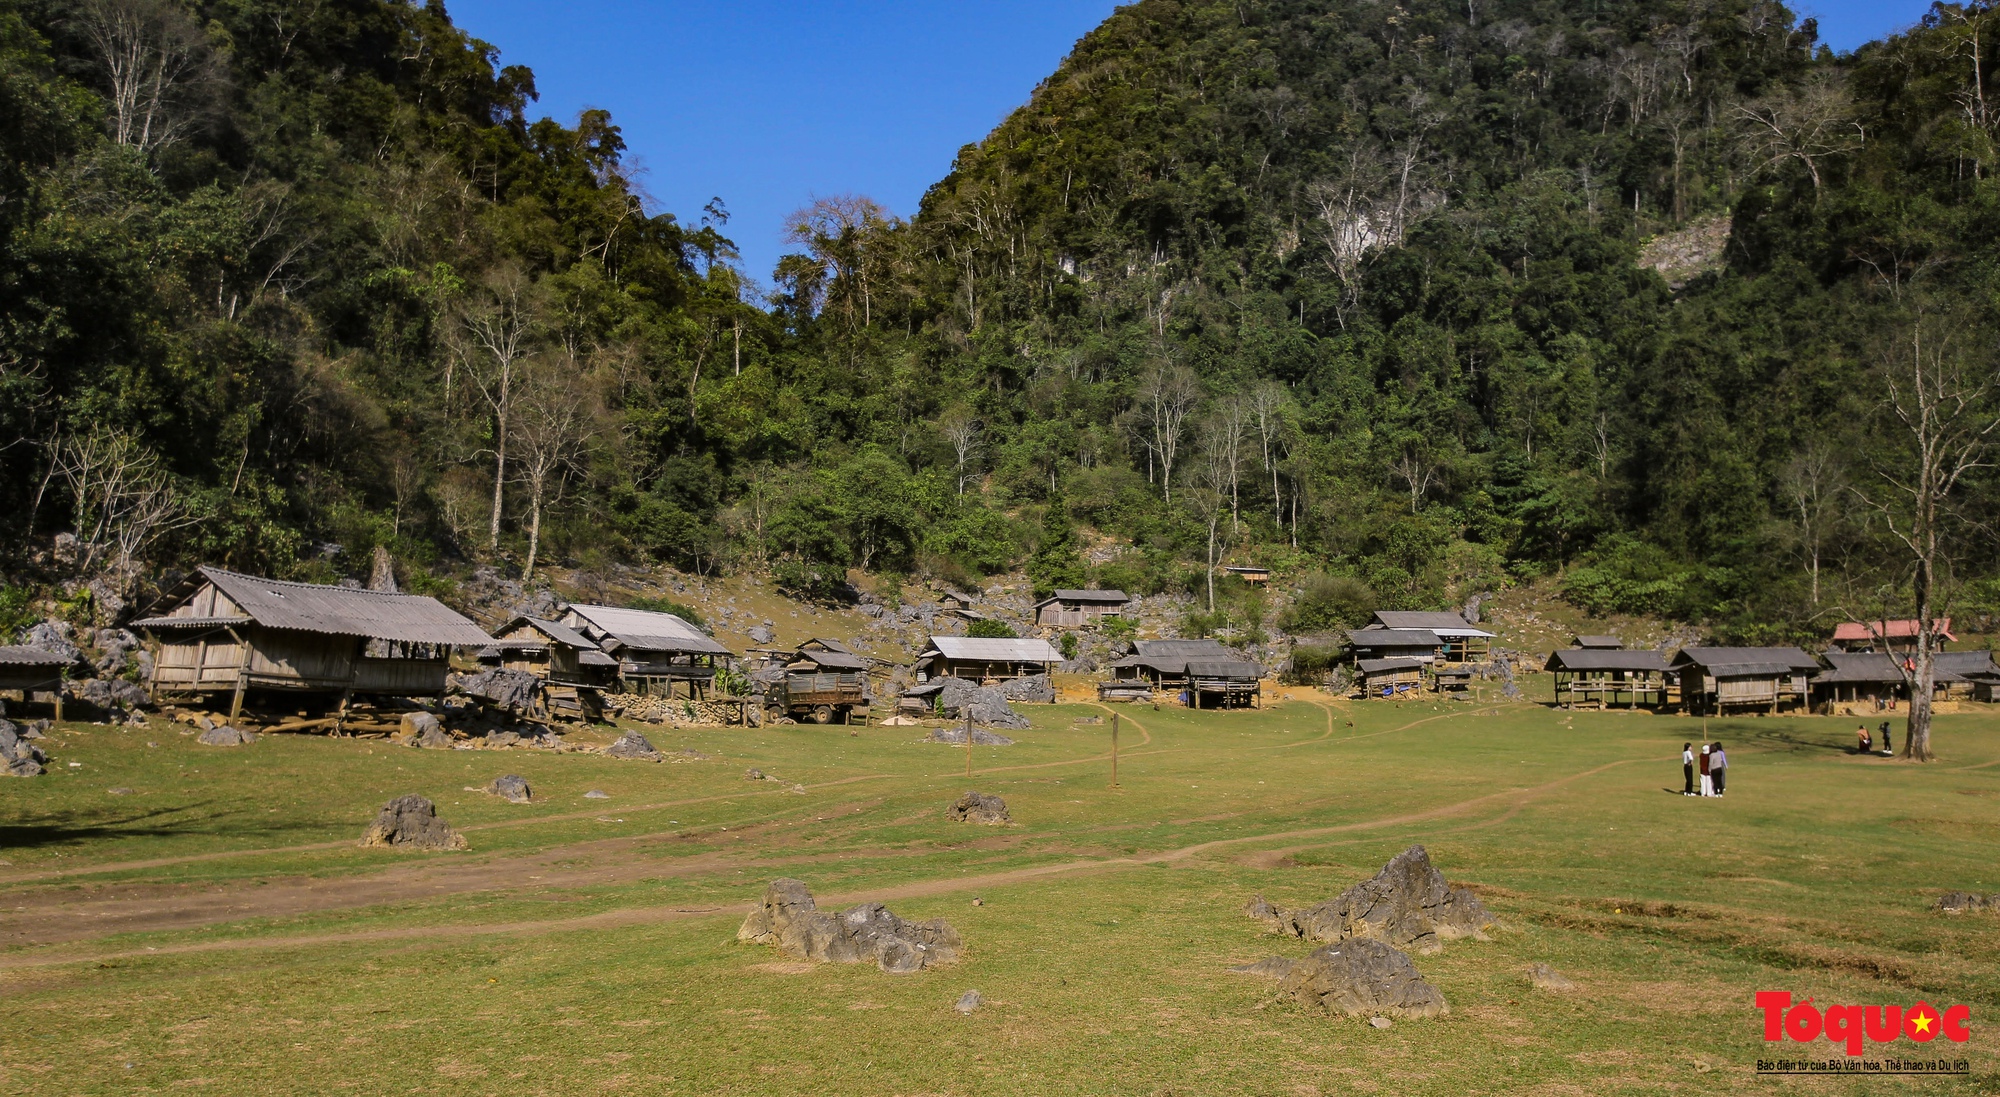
{"x": 979, "y": 807}
{"x": 969, "y": 1001}
{"x": 411, "y": 822}
{"x": 511, "y": 788}
{"x": 755, "y": 774}
{"x": 1379, "y": 1022}
{"x": 597, "y": 794}
{"x": 113, "y": 696}
{"x": 1362, "y": 977}
{"x": 760, "y": 635}
{"x": 498, "y": 738}
{"x": 1545, "y": 977}
{"x": 980, "y": 737}
{"x": 119, "y": 791}
{"x": 18, "y": 757}
{"x": 1271, "y": 967}
{"x": 224, "y": 735}
{"x": 1408, "y": 904}
{"x": 634, "y": 745}
{"x": 1963, "y": 902}
{"x": 789, "y": 920}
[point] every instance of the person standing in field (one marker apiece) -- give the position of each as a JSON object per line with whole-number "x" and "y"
{"x": 1707, "y": 783}
{"x": 1888, "y": 747}
{"x": 1861, "y": 745}
{"x": 1687, "y": 769}
{"x": 1718, "y": 768}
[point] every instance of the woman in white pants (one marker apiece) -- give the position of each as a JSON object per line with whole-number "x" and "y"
{"x": 1707, "y": 782}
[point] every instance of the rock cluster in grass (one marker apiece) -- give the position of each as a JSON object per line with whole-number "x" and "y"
{"x": 988, "y": 704}
{"x": 1408, "y": 904}
{"x": 511, "y": 788}
{"x": 789, "y": 920}
{"x": 980, "y": 807}
{"x": 980, "y": 737}
{"x": 411, "y": 822}
{"x": 635, "y": 746}
{"x": 1359, "y": 977}
{"x": 18, "y": 756}
{"x": 223, "y": 735}
{"x": 1544, "y": 977}
{"x": 1965, "y": 902}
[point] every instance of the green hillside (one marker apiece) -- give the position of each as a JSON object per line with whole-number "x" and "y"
{"x": 1429, "y": 298}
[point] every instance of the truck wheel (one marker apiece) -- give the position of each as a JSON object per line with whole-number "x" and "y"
{"x": 823, "y": 714}
{"x": 773, "y": 714}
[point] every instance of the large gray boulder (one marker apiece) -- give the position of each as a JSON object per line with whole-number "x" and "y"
{"x": 1408, "y": 904}
{"x": 979, "y": 807}
{"x": 411, "y": 822}
{"x": 113, "y": 645}
{"x": 513, "y": 690}
{"x": 987, "y": 704}
{"x": 789, "y": 920}
{"x": 511, "y": 788}
{"x": 19, "y": 757}
{"x": 52, "y": 636}
{"x": 1362, "y": 978}
{"x": 634, "y": 745}
{"x": 1034, "y": 688}
{"x": 108, "y": 694}
{"x": 222, "y": 735}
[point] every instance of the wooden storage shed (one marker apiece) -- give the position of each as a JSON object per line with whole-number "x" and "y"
{"x": 657, "y": 653}
{"x": 222, "y": 632}
{"x": 1224, "y": 683}
{"x": 1458, "y": 642}
{"x": 1390, "y": 677}
{"x": 1079, "y": 608}
{"x": 1163, "y": 664}
{"x": 983, "y": 659}
{"x": 32, "y": 671}
{"x": 1596, "y": 677}
{"x": 574, "y": 671}
{"x": 1716, "y": 680}
{"x": 1376, "y": 642}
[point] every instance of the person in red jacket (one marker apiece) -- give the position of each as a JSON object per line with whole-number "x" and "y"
{"x": 1707, "y": 783}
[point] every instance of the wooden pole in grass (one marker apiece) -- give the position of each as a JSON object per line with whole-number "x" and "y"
{"x": 968, "y": 742}
{"x": 1114, "y": 750}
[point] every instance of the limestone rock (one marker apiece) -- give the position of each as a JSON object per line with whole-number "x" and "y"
{"x": 225, "y": 736}
{"x": 416, "y": 725}
{"x": 634, "y": 745}
{"x": 411, "y": 822}
{"x": 511, "y": 788}
{"x": 18, "y": 757}
{"x": 53, "y": 636}
{"x": 1362, "y": 978}
{"x": 761, "y": 635}
{"x": 789, "y": 920}
{"x": 513, "y": 690}
{"x": 498, "y": 738}
{"x": 980, "y": 737}
{"x": 969, "y": 1001}
{"x": 978, "y": 807}
{"x": 597, "y": 794}
{"x": 1034, "y": 688}
{"x": 1963, "y": 902}
{"x": 1271, "y": 967}
{"x": 1545, "y": 977}
{"x": 1408, "y": 904}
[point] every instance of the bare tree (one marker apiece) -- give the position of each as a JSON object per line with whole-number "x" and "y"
{"x": 554, "y": 428}
{"x": 122, "y": 498}
{"x": 1208, "y": 495}
{"x": 1810, "y": 124}
{"x": 1814, "y": 485}
{"x": 1168, "y": 395}
{"x": 1271, "y": 404}
{"x": 1417, "y": 471}
{"x": 960, "y": 429}
{"x": 1228, "y": 431}
{"x": 494, "y": 330}
{"x": 1942, "y": 399}
{"x": 1368, "y": 205}
{"x": 157, "y": 63}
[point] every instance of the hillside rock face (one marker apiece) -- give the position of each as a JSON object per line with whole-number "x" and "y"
{"x": 1362, "y": 978}
{"x": 979, "y": 807}
{"x": 411, "y": 822}
{"x": 789, "y": 920}
{"x": 18, "y": 757}
{"x": 1408, "y": 904}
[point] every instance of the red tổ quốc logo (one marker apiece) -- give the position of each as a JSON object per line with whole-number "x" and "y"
{"x": 1854, "y": 1026}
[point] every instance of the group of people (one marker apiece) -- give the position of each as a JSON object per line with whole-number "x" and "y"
{"x": 1863, "y": 745}
{"x": 1712, "y": 765}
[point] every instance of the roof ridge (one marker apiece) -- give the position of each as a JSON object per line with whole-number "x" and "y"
{"x": 212, "y": 571}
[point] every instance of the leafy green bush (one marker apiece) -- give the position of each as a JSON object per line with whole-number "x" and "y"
{"x": 15, "y": 611}
{"x": 1312, "y": 666}
{"x": 1630, "y": 576}
{"x": 1197, "y": 625}
{"x": 1067, "y": 645}
{"x": 667, "y": 605}
{"x": 1329, "y": 603}
{"x": 991, "y": 629}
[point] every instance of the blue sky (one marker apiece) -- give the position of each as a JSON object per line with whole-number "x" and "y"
{"x": 768, "y": 103}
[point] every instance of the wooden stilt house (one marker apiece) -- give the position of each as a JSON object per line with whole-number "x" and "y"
{"x": 1718, "y": 680}
{"x": 658, "y": 654}
{"x": 1079, "y": 608}
{"x": 221, "y": 632}
{"x": 982, "y": 659}
{"x": 1459, "y": 642}
{"x": 32, "y": 671}
{"x": 574, "y": 672}
{"x": 1598, "y": 677}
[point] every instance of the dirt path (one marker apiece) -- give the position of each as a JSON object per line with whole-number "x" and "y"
{"x": 310, "y": 896}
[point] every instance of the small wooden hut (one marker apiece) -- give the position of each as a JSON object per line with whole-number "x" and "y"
{"x": 1224, "y": 683}
{"x": 1376, "y": 642}
{"x": 657, "y": 653}
{"x": 1596, "y": 677}
{"x": 983, "y": 659}
{"x": 1963, "y": 675}
{"x": 574, "y": 671}
{"x": 32, "y": 671}
{"x": 222, "y": 632}
{"x": 1458, "y": 642}
{"x": 1079, "y": 608}
{"x": 1249, "y": 573}
{"x": 1717, "y": 680}
{"x": 1163, "y": 664}
{"x": 1389, "y": 677}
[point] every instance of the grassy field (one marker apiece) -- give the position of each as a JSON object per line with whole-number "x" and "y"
{"x": 216, "y": 929}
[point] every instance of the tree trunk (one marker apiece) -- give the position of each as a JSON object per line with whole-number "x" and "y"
{"x": 499, "y": 482}
{"x": 534, "y": 532}
{"x": 1214, "y": 521}
{"x": 1923, "y": 677}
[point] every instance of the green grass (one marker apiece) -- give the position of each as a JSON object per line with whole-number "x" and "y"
{"x": 577, "y": 948}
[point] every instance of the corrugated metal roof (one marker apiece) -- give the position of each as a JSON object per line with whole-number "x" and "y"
{"x": 1383, "y": 666}
{"x": 1441, "y": 622}
{"x": 830, "y": 645}
{"x": 1745, "y": 662}
{"x": 1224, "y": 668}
{"x": 189, "y": 622}
{"x": 1905, "y": 629}
{"x": 1586, "y": 659}
{"x": 555, "y": 630}
{"x": 334, "y": 611}
{"x": 1870, "y": 667}
{"x": 649, "y": 630}
{"x": 31, "y": 657}
{"x": 1023, "y": 650}
{"x": 1107, "y": 597}
{"x": 1394, "y": 638}
{"x": 1184, "y": 649}
{"x": 839, "y": 660}
{"x": 1599, "y": 642}
{"x": 591, "y": 657}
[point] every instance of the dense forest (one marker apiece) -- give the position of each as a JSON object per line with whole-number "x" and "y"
{"x": 1659, "y": 300}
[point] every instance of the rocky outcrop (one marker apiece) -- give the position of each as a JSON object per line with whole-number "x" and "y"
{"x": 511, "y": 788}
{"x": 978, "y": 807}
{"x": 987, "y": 704}
{"x": 635, "y": 746}
{"x": 411, "y": 822}
{"x": 789, "y": 920}
{"x": 1362, "y": 978}
{"x": 1544, "y": 977}
{"x": 18, "y": 756}
{"x": 1408, "y": 904}
{"x": 1965, "y": 902}
{"x": 223, "y": 735}
{"x": 513, "y": 690}
{"x": 980, "y": 737}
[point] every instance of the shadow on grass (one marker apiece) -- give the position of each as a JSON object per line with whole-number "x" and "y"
{"x": 1778, "y": 737}
{"x": 70, "y": 827}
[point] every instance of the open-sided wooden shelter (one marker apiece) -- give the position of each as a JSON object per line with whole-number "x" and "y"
{"x": 32, "y": 671}
{"x": 222, "y": 632}
{"x": 1458, "y": 642}
{"x": 1596, "y": 677}
{"x": 1717, "y": 680}
{"x": 1224, "y": 683}
{"x": 656, "y": 652}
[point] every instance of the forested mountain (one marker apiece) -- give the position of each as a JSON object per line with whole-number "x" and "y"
{"x": 1421, "y": 298}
